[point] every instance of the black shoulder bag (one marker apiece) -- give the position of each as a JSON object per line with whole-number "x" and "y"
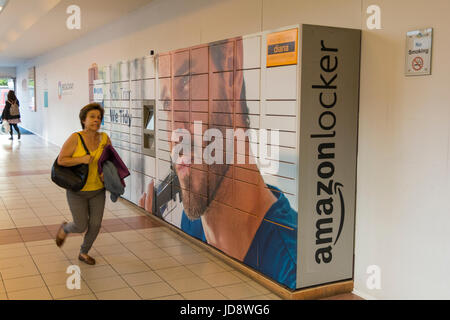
{"x": 71, "y": 178}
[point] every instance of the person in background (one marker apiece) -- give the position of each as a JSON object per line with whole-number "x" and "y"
{"x": 88, "y": 204}
{"x": 11, "y": 113}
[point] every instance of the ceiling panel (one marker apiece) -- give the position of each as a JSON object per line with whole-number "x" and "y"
{"x": 29, "y": 28}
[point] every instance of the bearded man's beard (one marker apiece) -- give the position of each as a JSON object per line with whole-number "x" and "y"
{"x": 194, "y": 204}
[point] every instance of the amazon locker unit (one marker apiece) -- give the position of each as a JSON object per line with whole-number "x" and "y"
{"x": 249, "y": 144}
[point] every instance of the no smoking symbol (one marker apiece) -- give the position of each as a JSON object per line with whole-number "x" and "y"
{"x": 417, "y": 63}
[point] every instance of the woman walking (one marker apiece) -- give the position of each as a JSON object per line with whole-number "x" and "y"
{"x": 87, "y": 206}
{"x": 11, "y": 113}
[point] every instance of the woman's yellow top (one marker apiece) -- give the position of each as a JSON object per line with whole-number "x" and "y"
{"x": 93, "y": 182}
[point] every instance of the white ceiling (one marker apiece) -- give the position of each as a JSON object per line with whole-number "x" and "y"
{"x": 30, "y": 28}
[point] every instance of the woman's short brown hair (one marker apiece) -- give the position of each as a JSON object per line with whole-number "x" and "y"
{"x": 12, "y": 96}
{"x": 91, "y": 106}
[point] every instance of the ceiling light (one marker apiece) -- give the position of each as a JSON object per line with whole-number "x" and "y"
{"x": 3, "y": 4}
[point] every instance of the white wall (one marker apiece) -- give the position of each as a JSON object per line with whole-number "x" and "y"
{"x": 403, "y": 164}
{"x": 403, "y": 178}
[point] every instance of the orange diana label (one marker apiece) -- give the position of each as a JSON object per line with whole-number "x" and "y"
{"x": 282, "y": 48}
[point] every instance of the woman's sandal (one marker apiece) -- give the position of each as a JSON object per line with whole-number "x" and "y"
{"x": 60, "y": 240}
{"x": 89, "y": 260}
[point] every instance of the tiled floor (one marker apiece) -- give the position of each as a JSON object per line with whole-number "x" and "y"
{"x": 137, "y": 258}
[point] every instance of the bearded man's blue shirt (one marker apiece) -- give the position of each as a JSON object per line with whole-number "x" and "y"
{"x": 273, "y": 250}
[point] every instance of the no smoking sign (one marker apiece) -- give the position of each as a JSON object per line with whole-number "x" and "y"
{"x": 418, "y": 52}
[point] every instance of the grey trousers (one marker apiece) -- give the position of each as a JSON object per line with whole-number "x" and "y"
{"x": 87, "y": 209}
